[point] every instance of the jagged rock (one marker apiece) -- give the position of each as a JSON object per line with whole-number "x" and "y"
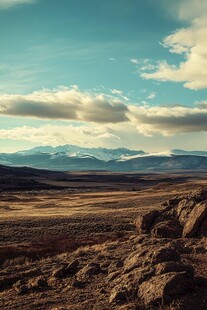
{"x": 114, "y": 266}
{"x": 145, "y": 221}
{"x": 113, "y": 275}
{"x": 53, "y": 282}
{"x": 90, "y": 270}
{"x": 59, "y": 272}
{"x": 151, "y": 253}
{"x": 66, "y": 270}
{"x": 78, "y": 284}
{"x": 119, "y": 264}
{"x": 168, "y": 229}
{"x": 173, "y": 201}
{"x": 164, "y": 288}
{"x": 72, "y": 268}
{"x": 118, "y": 296}
{"x": 174, "y": 267}
{"x": 165, "y": 254}
{"x": 133, "y": 261}
{"x": 184, "y": 208}
{"x": 38, "y": 283}
{"x": 195, "y": 219}
{"x": 199, "y": 194}
{"x": 131, "y": 281}
{"x": 21, "y": 287}
{"x": 180, "y": 217}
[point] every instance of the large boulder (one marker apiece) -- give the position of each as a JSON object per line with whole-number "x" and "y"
{"x": 144, "y": 222}
{"x": 131, "y": 281}
{"x": 193, "y": 223}
{"x": 164, "y": 288}
{"x": 184, "y": 208}
{"x": 167, "y": 229}
{"x": 183, "y": 219}
{"x": 165, "y": 254}
{"x": 166, "y": 267}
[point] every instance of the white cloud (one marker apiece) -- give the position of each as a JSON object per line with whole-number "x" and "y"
{"x": 5, "y": 4}
{"x": 148, "y": 67}
{"x": 135, "y": 61}
{"x": 66, "y": 104}
{"x": 168, "y": 121}
{"x": 191, "y": 9}
{"x": 191, "y": 43}
{"x": 119, "y": 93}
{"x": 83, "y": 135}
{"x": 152, "y": 95}
{"x": 98, "y": 115}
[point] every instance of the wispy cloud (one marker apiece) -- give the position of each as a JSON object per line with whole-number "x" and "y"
{"x": 119, "y": 93}
{"x": 135, "y": 61}
{"x": 6, "y": 4}
{"x": 152, "y": 95}
{"x": 51, "y": 134}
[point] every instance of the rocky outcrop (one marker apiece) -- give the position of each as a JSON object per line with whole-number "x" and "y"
{"x": 164, "y": 288}
{"x": 145, "y": 221}
{"x": 195, "y": 219}
{"x": 154, "y": 272}
{"x": 181, "y": 217}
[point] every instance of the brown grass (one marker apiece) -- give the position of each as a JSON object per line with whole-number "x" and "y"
{"x": 47, "y": 246}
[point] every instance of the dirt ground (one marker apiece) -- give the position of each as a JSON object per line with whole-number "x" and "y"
{"x": 89, "y": 218}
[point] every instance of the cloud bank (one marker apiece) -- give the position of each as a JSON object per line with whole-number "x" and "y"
{"x": 65, "y": 104}
{"x": 169, "y": 121}
{"x": 104, "y": 111}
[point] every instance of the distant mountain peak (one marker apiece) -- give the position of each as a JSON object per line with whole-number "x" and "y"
{"x": 72, "y": 157}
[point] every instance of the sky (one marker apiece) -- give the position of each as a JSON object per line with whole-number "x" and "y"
{"x": 121, "y": 73}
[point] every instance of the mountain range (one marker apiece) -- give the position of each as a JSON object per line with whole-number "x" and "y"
{"x": 72, "y": 158}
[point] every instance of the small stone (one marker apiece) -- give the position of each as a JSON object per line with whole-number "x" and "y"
{"x": 78, "y": 284}
{"x": 113, "y": 275}
{"x": 21, "y": 288}
{"x": 102, "y": 291}
{"x": 117, "y": 296}
{"x": 90, "y": 270}
{"x": 59, "y": 272}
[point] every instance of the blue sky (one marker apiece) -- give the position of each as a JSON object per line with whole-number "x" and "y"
{"x": 103, "y": 73}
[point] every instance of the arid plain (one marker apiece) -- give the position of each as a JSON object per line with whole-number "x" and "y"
{"x": 65, "y": 237}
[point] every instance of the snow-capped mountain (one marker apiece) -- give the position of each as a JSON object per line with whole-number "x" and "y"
{"x": 77, "y": 151}
{"x": 70, "y": 157}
